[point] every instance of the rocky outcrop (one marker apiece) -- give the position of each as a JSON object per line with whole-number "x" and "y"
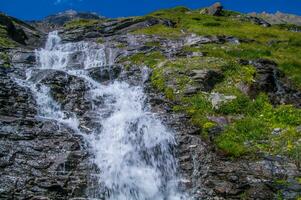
{"x": 207, "y": 174}
{"x": 256, "y": 20}
{"x": 112, "y": 27}
{"x": 15, "y": 34}
{"x": 206, "y": 79}
{"x": 271, "y": 81}
{"x": 105, "y": 74}
{"x": 279, "y": 18}
{"x": 69, "y": 15}
{"x": 215, "y": 10}
{"x": 68, "y": 90}
{"x": 38, "y": 158}
{"x": 20, "y": 32}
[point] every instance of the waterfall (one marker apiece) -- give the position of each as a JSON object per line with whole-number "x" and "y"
{"x": 131, "y": 147}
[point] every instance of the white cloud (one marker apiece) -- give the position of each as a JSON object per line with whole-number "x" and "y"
{"x": 66, "y": 1}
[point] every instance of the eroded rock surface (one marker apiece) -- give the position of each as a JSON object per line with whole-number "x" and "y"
{"x": 40, "y": 159}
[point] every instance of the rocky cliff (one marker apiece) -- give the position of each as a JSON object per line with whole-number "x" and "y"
{"x": 227, "y": 86}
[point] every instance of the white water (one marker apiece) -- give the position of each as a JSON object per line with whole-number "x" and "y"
{"x": 131, "y": 146}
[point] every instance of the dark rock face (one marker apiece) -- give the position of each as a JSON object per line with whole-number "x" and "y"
{"x": 15, "y": 34}
{"x": 68, "y": 90}
{"x": 206, "y": 79}
{"x": 38, "y": 159}
{"x": 15, "y": 101}
{"x": 270, "y": 80}
{"x": 21, "y": 32}
{"x": 105, "y": 74}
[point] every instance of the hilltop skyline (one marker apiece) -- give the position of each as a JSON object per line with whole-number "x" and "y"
{"x": 36, "y": 9}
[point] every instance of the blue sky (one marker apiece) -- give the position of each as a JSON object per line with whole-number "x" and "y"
{"x": 37, "y": 9}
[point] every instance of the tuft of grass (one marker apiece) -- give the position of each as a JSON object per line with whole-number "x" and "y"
{"x": 5, "y": 41}
{"x": 249, "y": 53}
{"x": 81, "y": 23}
{"x": 159, "y": 29}
{"x": 4, "y": 57}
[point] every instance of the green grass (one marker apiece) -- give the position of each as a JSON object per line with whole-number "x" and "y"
{"x": 5, "y": 59}
{"x": 160, "y": 28}
{"x": 81, "y": 23}
{"x": 285, "y": 49}
{"x": 252, "y": 121}
{"x": 5, "y": 41}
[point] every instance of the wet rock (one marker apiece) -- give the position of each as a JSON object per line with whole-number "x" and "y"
{"x": 15, "y": 100}
{"x": 103, "y": 74}
{"x": 21, "y": 57}
{"x": 68, "y": 90}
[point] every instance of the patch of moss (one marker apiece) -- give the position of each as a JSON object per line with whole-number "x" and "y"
{"x": 152, "y": 44}
{"x": 5, "y": 41}
{"x": 81, "y": 23}
{"x": 157, "y": 79}
{"x": 100, "y": 41}
{"x": 159, "y": 29}
{"x": 150, "y": 59}
{"x": 249, "y": 53}
{"x": 4, "y": 57}
{"x": 169, "y": 93}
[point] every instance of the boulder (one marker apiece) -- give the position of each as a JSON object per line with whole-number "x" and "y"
{"x": 106, "y": 73}
{"x": 215, "y": 10}
{"x": 270, "y": 79}
{"x": 206, "y": 79}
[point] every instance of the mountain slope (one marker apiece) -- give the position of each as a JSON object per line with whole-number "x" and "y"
{"x": 228, "y": 85}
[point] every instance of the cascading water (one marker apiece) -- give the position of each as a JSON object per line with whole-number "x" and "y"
{"x": 132, "y": 149}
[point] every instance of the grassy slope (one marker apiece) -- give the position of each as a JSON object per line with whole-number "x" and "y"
{"x": 252, "y": 120}
{"x": 5, "y": 41}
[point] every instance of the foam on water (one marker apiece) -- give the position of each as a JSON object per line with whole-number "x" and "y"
{"x": 132, "y": 149}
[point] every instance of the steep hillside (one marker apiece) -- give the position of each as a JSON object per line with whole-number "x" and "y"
{"x": 227, "y": 84}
